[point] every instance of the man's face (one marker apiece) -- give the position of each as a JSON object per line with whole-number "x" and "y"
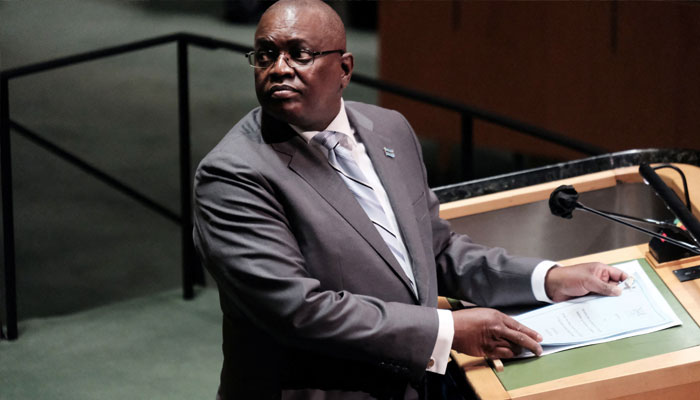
{"x": 307, "y": 96}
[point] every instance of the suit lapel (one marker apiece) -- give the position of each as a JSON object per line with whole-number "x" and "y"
{"x": 313, "y": 167}
{"x": 377, "y": 145}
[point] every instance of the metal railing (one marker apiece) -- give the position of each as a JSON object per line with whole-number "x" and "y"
{"x": 192, "y": 272}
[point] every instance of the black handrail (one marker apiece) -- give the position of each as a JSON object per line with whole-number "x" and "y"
{"x": 192, "y": 271}
{"x": 488, "y": 116}
{"x": 100, "y": 175}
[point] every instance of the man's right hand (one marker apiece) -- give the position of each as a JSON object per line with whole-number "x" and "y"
{"x": 488, "y": 332}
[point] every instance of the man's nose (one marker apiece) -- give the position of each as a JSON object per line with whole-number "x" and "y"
{"x": 281, "y": 66}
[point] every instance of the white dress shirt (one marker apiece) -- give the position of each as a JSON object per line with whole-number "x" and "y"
{"x": 441, "y": 351}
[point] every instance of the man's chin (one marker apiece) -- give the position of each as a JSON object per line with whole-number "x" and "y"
{"x": 286, "y": 112}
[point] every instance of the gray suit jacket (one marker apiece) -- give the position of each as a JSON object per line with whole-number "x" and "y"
{"x": 312, "y": 297}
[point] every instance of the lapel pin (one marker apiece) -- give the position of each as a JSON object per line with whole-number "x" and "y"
{"x": 389, "y": 152}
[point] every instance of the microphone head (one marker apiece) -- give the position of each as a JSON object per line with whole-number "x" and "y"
{"x": 563, "y": 201}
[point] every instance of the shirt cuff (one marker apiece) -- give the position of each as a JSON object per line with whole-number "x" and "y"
{"x": 537, "y": 280}
{"x": 443, "y": 344}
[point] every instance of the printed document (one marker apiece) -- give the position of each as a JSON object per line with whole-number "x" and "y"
{"x": 594, "y": 319}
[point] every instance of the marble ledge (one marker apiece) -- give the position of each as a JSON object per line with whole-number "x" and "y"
{"x": 563, "y": 170}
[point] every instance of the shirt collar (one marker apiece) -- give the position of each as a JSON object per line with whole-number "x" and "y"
{"x": 339, "y": 124}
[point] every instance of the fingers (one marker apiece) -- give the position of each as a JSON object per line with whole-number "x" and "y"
{"x": 517, "y": 326}
{"x": 595, "y": 285}
{"x": 501, "y": 348}
{"x": 504, "y": 352}
{"x": 514, "y": 336}
{"x": 487, "y": 332}
{"x": 524, "y": 337}
{"x": 606, "y": 283}
{"x": 581, "y": 279}
{"x": 616, "y": 274}
{"x": 512, "y": 346}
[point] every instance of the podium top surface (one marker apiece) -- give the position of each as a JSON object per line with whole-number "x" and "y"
{"x": 672, "y": 372}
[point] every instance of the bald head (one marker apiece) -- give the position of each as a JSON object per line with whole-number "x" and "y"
{"x": 316, "y": 12}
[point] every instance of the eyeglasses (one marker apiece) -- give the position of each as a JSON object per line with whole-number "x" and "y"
{"x": 296, "y": 58}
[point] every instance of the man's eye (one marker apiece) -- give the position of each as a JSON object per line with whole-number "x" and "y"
{"x": 264, "y": 55}
{"x": 301, "y": 55}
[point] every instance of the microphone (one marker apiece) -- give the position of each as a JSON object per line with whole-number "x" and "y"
{"x": 564, "y": 200}
{"x": 672, "y": 201}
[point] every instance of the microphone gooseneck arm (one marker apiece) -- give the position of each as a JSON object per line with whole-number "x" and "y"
{"x": 564, "y": 200}
{"x": 679, "y": 243}
{"x": 659, "y": 224}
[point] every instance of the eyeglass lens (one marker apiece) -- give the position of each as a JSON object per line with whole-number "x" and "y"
{"x": 294, "y": 57}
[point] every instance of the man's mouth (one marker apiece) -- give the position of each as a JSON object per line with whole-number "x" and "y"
{"x": 283, "y": 92}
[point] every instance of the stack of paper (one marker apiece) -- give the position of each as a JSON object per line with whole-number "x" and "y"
{"x": 594, "y": 319}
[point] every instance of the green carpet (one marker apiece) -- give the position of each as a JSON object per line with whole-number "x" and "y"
{"x": 155, "y": 347}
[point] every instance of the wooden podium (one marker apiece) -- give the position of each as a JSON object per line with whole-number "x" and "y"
{"x": 674, "y": 375}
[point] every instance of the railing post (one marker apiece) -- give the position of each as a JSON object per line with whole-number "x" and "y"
{"x": 188, "y": 259}
{"x": 467, "y": 146}
{"x": 7, "y": 212}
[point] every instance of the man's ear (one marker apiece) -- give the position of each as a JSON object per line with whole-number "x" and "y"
{"x": 347, "y": 62}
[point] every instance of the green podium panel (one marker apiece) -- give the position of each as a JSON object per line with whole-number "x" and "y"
{"x": 525, "y": 372}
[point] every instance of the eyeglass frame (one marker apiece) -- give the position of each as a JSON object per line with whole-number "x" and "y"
{"x": 313, "y": 54}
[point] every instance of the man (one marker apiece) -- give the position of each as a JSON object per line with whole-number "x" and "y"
{"x": 314, "y": 217}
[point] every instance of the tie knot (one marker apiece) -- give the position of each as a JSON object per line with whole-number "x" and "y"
{"x": 330, "y": 139}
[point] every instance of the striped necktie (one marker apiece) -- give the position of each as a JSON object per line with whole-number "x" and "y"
{"x": 340, "y": 158}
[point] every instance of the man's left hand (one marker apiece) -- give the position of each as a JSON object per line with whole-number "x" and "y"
{"x": 564, "y": 283}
